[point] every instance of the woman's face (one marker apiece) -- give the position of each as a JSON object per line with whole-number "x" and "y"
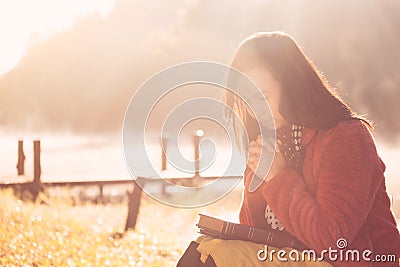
{"x": 271, "y": 90}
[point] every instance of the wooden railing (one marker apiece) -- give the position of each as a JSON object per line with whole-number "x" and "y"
{"x": 134, "y": 196}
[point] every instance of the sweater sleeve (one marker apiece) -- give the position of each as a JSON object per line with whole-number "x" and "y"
{"x": 347, "y": 180}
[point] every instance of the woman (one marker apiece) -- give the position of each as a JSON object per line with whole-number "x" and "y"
{"x": 326, "y": 185}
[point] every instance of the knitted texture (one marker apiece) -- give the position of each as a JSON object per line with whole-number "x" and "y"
{"x": 341, "y": 195}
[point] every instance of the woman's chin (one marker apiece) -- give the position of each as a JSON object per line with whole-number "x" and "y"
{"x": 280, "y": 124}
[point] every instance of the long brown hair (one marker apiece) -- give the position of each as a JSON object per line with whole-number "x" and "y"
{"x": 306, "y": 98}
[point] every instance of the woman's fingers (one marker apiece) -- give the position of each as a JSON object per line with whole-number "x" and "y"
{"x": 252, "y": 163}
{"x": 255, "y": 152}
{"x": 253, "y": 144}
{"x": 278, "y": 146}
{"x": 268, "y": 143}
{"x": 256, "y": 148}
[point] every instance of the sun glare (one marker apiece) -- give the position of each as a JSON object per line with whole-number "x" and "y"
{"x": 25, "y": 22}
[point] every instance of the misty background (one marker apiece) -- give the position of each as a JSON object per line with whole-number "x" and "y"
{"x": 78, "y": 82}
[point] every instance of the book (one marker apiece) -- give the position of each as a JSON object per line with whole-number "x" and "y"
{"x": 218, "y": 228}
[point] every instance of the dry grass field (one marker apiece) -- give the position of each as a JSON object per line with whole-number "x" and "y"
{"x": 59, "y": 233}
{"x": 63, "y": 232}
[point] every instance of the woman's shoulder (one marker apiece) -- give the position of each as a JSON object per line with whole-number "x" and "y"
{"x": 350, "y": 128}
{"x": 349, "y": 133}
{"x": 348, "y": 141}
{"x": 342, "y": 131}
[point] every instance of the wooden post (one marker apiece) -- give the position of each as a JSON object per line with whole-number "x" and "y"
{"x": 37, "y": 170}
{"x": 196, "y": 141}
{"x": 36, "y": 185}
{"x": 164, "y": 142}
{"x": 197, "y": 179}
{"x": 101, "y": 194}
{"x": 133, "y": 206}
{"x": 21, "y": 158}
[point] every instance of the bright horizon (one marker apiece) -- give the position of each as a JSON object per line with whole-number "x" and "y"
{"x": 102, "y": 159}
{"x": 25, "y": 23}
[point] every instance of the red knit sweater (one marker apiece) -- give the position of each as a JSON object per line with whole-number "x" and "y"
{"x": 341, "y": 194}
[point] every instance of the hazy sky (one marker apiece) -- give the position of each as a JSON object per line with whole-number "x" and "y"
{"x": 25, "y": 22}
{"x": 87, "y": 58}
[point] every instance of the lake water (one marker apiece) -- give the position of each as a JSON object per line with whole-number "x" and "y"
{"x": 74, "y": 158}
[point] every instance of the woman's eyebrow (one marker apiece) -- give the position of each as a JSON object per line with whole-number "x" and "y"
{"x": 266, "y": 92}
{"x": 261, "y": 92}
